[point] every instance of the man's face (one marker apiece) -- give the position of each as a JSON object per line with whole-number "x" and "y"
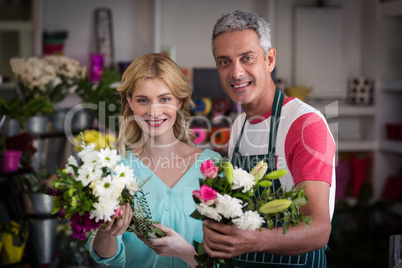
{"x": 242, "y": 69}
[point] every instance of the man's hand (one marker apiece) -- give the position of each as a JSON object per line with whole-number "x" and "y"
{"x": 228, "y": 241}
{"x": 172, "y": 245}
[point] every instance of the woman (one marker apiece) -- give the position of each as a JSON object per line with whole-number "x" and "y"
{"x": 153, "y": 141}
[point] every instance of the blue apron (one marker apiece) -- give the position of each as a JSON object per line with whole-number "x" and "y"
{"x": 258, "y": 259}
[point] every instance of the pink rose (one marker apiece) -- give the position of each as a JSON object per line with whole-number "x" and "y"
{"x": 208, "y": 169}
{"x": 118, "y": 213}
{"x": 206, "y": 194}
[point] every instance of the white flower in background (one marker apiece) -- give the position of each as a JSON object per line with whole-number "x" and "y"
{"x": 250, "y": 220}
{"x": 104, "y": 209}
{"x": 229, "y": 207}
{"x": 208, "y": 211}
{"x": 108, "y": 158}
{"x": 242, "y": 179}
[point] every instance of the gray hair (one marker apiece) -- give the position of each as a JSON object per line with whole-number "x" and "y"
{"x": 240, "y": 20}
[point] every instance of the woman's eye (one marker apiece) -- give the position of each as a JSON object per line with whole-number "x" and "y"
{"x": 165, "y": 99}
{"x": 141, "y": 100}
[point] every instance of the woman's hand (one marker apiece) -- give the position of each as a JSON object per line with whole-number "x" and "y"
{"x": 172, "y": 245}
{"x": 105, "y": 242}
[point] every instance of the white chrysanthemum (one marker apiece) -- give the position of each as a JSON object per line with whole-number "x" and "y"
{"x": 87, "y": 174}
{"x": 91, "y": 158}
{"x": 106, "y": 187}
{"x": 229, "y": 207}
{"x": 242, "y": 179}
{"x": 89, "y": 148}
{"x": 71, "y": 161}
{"x": 108, "y": 158}
{"x": 250, "y": 220}
{"x": 207, "y": 211}
{"x": 104, "y": 209}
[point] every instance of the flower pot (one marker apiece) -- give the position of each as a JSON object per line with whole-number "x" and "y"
{"x": 11, "y": 159}
{"x": 82, "y": 120}
{"x": 38, "y": 203}
{"x": 11, "y": 127}
{"x": 57, "y": 120}
{"x": 12, "y": 252}
{"x": 37, "y": 124}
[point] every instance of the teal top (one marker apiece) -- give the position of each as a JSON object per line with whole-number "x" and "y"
{"x": 171, "y": 206}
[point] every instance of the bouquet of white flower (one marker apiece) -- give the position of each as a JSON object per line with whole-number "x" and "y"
{"x": 91, "y": 193}
{"x": 227, "y": 195}
{"x": 49, "y": 77}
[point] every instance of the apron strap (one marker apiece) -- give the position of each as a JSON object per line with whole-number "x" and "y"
{"x": 275, "y": 117}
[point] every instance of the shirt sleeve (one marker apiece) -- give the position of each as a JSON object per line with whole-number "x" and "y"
{"x": 118, "y": 260}
{"x": 310, "y": 149}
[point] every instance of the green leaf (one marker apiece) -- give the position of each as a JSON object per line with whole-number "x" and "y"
{"x": 300, "y": 201}
{"x": 197, "y": 215}
{"x": 201, "y": 249}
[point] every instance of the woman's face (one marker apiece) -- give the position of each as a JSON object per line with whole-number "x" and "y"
{"x": 154, "y": 107}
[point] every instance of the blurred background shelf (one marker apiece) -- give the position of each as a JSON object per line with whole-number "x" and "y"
{"x": 391, "y": 146}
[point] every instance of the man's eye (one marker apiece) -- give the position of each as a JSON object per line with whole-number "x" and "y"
{"x": 223, "y": 62}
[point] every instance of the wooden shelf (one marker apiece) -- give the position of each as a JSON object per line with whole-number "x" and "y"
{"x": 17, "y": 25}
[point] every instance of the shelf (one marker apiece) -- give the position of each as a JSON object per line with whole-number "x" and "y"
{"x": 355, "y": 146}
{"x": 391, "y": 9}
{"x": 392, "y": 86}
{"x": 8, "y": 86}
{"x": 15, "y": 25}
{"x": 391, "y": 146}
{"x": 354, "y": 110}
{"x": 333, "y": 110}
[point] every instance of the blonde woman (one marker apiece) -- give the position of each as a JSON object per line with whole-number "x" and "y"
{"x": 154, "y": 141}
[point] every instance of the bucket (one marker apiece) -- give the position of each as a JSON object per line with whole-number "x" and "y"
{"x": 43, "y": 237}
{"x": 38, "y": 203}
{"x": 37, "y": 124}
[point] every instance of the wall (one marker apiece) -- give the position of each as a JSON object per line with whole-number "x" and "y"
{"x": 186, "y": 25}
{"x": 132, "y": 26}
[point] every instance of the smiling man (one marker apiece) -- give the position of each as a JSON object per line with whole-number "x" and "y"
{"x": 284, "y": 132}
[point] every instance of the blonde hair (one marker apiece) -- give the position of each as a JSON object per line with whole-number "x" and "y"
{"x": 151, "y": 66}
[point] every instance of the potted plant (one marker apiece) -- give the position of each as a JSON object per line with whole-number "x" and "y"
{"x": 36, "y": 112}
{"x": 14, "y": 238}
{"x": 14, "y": 116}
{"x": 18, "y": 149}
{"x": 102, "y": 91}
{"x": 50, "y": 77}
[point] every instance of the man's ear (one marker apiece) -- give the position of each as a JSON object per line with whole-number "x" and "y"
{"x": 271, "y": 59}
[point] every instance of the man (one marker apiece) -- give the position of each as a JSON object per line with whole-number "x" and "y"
{"x": 283, "y": 131}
